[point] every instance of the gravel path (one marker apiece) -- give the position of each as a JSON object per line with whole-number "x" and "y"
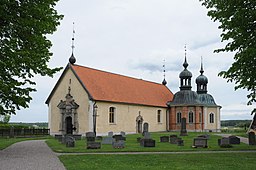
{"x": 29, "y": 155}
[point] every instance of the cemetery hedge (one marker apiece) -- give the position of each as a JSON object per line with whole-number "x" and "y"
{"x": 131, "y": 145}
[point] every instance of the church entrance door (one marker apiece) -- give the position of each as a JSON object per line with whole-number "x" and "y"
{"x": 69, "y": 126}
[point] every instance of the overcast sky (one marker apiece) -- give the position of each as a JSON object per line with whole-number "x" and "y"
{"x": 133, "y": 37}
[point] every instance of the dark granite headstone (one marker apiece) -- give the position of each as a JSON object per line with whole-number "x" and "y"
{"x": 118, "y": 144}
{"x": 90, "y": 137}
{"x": 164, "y": 139}
{"x": 147, "y": 143}
{"x": 183, "y": 131}
{"x": 234, "y": 140}
{"x": 200, "y": 142}
{"x": 108, "y": 140}
{"x": 70, "y": 141}
{"x": 174, "y": 139}
{"x": 145, "y": 128}
{"x": 118, "y": 137}
{"x": 223, "y": 141}
{"x": 93, "y": 145}
{"x": 180, "y": 142}
{"x": 147, "y": 135}
{"x": 252, "y": 140}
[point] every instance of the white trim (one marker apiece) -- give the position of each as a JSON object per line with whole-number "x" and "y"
{"x": 205, "y": 117}
{"x": 90, "y": 116}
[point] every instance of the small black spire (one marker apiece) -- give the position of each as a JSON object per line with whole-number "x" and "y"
{"x": 72, "y": 58}
{"x": 185, "y": 64}
{"x": 164, "y": 82}
{"x": 202, "y": 70}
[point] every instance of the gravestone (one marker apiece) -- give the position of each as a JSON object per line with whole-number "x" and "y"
{"x": 147, "y": 143}
{"x": 70, "y": 141}
{"x": 147, "y": 135}
{"x": 180, "y": 142}
{"x": 234, "y": 140}
{"x": 90, "y": 137}
{"x": 223, "y": 141}
{"x": 118, "y": 144}
{"x": 252, "y": 140}
{"x": 183, "y": 131}
{"x": 109, "y": 139}
{"x": 200, "y": 142}
{"x": 174, "y": 139}
{"x": 93, "y": 145}
{"x": 118, "y": 137}
{"x": 164, "y": 139}
{"x": 110, "y": 134}
{"x": 145, "y": 128}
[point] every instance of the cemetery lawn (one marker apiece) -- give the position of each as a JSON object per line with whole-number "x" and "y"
{"x": 131, "y": 145}
{"x": 195, "y": 161}
{"x": 5, "y": 142}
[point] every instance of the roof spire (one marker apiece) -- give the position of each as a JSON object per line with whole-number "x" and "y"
{"x": 72, "y": 59}
{"x": 164, "y": 82}
{"x": 202, "y": 70}
{"x": 185, "y": 64}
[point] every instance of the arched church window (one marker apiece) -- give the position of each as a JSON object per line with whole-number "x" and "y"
{"x": 179, "y": 117}
{"x": 211, "y": 118}
{"x": 190, "y": 117}
{"x": 158, "y": 116}
{"x": 200, "y": 117}
{"x": 112, "y": 111}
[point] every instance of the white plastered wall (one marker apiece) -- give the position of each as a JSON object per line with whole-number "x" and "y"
{"x": 79, "y": 95}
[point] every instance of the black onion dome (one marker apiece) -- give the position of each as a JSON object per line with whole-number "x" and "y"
{"x": 164, "y": 82}
{"x": 72, "y": 59}
{"x": 185, "y": 97}
{"x": 207, "y": 99}
{"x": 185, "y": 74}
{"x": 201, "y": 79}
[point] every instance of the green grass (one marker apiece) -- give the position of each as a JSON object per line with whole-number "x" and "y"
{"x": 132, "y": 145}
{"x": 5, "y": 142}
{"x": 161, "y": 161}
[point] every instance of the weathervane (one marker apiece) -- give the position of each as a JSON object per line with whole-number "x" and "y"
{"x": 164, "y": 82}
{"x": 72, "y": 59}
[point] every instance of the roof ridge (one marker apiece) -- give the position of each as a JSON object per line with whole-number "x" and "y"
{"x": 117, "y": 74}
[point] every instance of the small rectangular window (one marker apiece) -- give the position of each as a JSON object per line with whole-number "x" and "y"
{"x": 159, "y": 116}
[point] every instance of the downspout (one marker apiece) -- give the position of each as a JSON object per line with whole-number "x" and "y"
{"x": 94, "y": 117}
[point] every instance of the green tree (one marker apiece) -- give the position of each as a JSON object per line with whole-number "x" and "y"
{"x": 238, "y": 22}
{"x": 24, "y": 49}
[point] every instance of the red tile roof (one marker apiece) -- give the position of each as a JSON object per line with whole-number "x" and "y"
{"x": 105, "y": 86}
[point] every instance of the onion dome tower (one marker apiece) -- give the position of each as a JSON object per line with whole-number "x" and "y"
{"x": 185, "y": 96}
{"x": 201, "y": 82}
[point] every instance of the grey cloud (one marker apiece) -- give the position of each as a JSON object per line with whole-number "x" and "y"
{"x": 200, "y": 44}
